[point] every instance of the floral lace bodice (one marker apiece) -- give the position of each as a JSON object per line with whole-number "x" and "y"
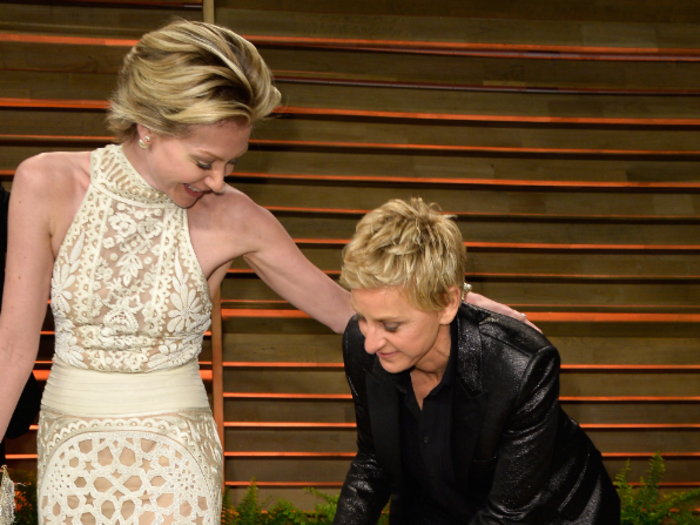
{"x": 127, "y": 293}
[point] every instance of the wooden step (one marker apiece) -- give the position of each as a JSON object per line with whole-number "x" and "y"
{"x": 456, "y": 12}
{"x": 473, "y": 199}
{"x": 39, "y": 53}
{"x": 71, "y": 52}
{"x": 514, "y": 232}
{"x": 336, "y": 441}
{"x": 78, "y": 85}
{"x": 53, "y": 122}
{"x": 426, "y": 164}
{"x": 632, "y": 350}
{"x": 122, "y": 18}
{"x": 669, "y": 145}
{"x": 541, "y": 295}
{"x": 349, "y": 112}
{"x": 290, "y": 165}
{"x": 415, "y": 134}
{"x": 552, "y": 103}
{"x": 431, "y": 69}
{"x": 569, "y": 325}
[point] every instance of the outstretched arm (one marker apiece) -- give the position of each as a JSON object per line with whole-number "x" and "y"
{"x": 27, "y": 284}
{"x": 280, "y": 264}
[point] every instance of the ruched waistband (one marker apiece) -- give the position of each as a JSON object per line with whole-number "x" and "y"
{"x": 80, "y": 392}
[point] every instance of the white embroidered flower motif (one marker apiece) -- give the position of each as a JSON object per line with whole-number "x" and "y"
{"x": 64, "y": 278}
{"x": 65, "y": 344}
{"x": 107, "y": 274}
{"x": 186, "y": 301}
{"x": 123, "y": 225}
{"x": 150, "y": 227}
{"x": 103, "y": 272}
{"x": 164, "y": 356}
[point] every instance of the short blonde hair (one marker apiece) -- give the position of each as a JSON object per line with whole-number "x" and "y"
{"x": 409, "y": 245}
{"x": 190, "y": 73}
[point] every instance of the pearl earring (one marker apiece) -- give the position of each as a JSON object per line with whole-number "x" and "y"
{"x": 465, "y": 290}
{"x": 143, "y": 144}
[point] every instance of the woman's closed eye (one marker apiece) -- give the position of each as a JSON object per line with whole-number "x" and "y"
{"x": 230, "y": 166}
{"x": 387, "y": 327}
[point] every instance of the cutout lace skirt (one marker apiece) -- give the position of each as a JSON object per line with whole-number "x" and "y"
{"x": 128, "y": 449}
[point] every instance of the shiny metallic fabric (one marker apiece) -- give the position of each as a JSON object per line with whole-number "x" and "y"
{"x": 517, "y": 457}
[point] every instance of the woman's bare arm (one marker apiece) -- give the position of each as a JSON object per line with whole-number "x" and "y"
{"x": 27, "y": 280}
{"x": 280, "y": 264}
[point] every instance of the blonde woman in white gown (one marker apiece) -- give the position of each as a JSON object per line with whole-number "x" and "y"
{"x": 132, "y": 240}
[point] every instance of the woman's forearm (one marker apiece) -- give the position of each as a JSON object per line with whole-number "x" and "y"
{"x": 14, "y": 371}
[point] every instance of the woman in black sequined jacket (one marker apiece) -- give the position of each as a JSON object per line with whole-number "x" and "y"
{"x": 506, "y": 451}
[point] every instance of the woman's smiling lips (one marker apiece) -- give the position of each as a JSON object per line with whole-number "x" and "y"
{"x": 194, "y": 192}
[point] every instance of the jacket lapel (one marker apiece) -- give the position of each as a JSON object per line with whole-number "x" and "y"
{"x": 469, "y": 402}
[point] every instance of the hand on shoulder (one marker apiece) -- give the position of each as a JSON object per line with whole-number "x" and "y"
{"x": 481, "y": 301}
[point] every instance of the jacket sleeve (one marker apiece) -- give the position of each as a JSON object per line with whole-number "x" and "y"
{"x": 367, "y": 488}
{"x": 527, "y": 445}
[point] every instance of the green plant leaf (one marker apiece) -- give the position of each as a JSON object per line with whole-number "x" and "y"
{"x": 645, "y": 505}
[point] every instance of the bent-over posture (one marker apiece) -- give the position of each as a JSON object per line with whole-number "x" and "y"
{"x": 458, "y": 417}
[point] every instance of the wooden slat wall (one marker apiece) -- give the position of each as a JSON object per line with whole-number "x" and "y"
{"x": 565, "y": 137}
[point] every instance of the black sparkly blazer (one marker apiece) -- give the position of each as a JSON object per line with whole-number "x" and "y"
{"x": 518, "y": 458}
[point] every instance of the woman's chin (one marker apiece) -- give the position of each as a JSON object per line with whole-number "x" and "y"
{"x": 393, "y": 365}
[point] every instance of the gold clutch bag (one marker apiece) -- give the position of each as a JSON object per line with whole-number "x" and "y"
{"x": 7, "y": 498}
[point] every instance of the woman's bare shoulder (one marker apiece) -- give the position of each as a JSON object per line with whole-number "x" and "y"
{"x": 232, "y": 224}
{"x": 232, "y": 207}
{"x": 54, "y": 172}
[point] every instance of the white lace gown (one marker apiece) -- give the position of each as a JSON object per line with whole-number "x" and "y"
{"x": 126, "y": 435}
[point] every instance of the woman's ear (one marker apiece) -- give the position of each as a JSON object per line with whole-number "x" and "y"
{"x": 454, "y": 295}
{"x": 143, "y": 131}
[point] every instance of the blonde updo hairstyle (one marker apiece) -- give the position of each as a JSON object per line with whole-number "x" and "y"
{"x": 407, "y": 244}
{"x": 190, "y": 73}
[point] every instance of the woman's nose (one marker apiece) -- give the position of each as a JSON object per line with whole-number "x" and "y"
{"x": 216, "y": 180}
{"x": 374, "y": 341}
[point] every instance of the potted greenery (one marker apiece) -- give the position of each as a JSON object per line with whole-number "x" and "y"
{"x": 645, "y": 505}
